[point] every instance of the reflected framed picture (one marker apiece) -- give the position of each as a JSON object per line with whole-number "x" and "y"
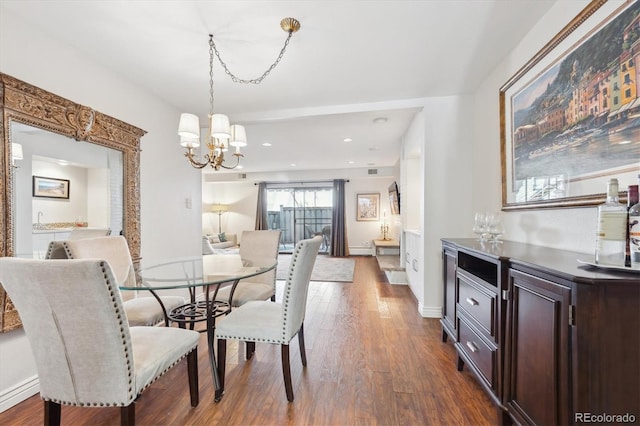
{"x": 368, "y": 207}
{"x": 46, "y": 187}
{"x": 570, "y": 117}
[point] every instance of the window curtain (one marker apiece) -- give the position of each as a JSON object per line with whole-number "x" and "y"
{"x": 261, "y": 210}
{"x": 339, "y": 243}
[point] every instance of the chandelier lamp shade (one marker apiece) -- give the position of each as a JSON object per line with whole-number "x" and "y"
{"x": 221, "y": 134}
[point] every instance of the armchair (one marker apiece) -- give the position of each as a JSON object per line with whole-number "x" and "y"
{"x": 86, "y": 354}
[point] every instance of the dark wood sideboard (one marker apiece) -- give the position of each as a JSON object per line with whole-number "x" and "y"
{"x": 551, "y": 341}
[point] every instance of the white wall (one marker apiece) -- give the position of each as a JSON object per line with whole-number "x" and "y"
{"x": 437, "y": 176}
{"x": 570, "y": 229}
{"x": 447, "y": 186}
{"x": 60, "y": 209}
{"x": 241, "y": 197}
{"x": 167, "y": 181}
{"x": 98, "y": 198}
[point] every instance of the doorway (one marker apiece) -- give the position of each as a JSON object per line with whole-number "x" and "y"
{"x": 300, "y": 212}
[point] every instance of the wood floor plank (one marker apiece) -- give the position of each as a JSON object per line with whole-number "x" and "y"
{"x": 372, "y": 360}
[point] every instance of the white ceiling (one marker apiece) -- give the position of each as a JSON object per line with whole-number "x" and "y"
{"x": 351, "y": 61}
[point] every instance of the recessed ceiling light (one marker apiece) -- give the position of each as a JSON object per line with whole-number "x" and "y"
{"x": 266, "y": 144}
{"x": 293, "y": 164}
{"x": 348, "y": 140}
{"x": 239, "y": 166}
{"x": 352, "y": 162}
{"x": 380, "y": 120}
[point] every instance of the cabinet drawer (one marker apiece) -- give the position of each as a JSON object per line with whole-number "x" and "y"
{"x": 479, "y": 305}
{"x": 482, "y": 356}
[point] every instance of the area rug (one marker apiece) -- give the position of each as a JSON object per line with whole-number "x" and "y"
{"x": 326, "y": 268}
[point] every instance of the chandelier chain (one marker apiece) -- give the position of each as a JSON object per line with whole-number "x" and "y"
{"x": 210, "y": 75}
{"x": 254, "y": 80}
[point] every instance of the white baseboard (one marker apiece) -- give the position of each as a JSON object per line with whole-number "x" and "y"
{"x": 359, "y": 251}
{"x": 396, "y": 277}
{"x": 18, "y": 393}
{"x": 430, "y": 311}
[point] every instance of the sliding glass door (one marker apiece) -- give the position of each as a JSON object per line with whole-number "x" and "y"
{"x": 300, "y": 213}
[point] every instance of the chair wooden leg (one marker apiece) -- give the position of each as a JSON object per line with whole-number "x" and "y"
{"x": 51, "y": 413}
{"x": 303, "y": 353}
{"x": 286, "y": 371}
{"x": 250, "y": 349}
{"x": 192, "y": 368}
{"x": 222, "y": 361}
{"x": 128, "y": 415}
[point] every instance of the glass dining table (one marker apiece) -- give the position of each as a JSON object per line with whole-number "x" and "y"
{"x": 209, "y": 273}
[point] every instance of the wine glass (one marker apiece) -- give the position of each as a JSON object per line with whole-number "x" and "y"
{"x": 480, "y": 225}
{"x": 495, "y": 228}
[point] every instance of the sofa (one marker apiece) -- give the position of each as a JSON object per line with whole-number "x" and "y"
{"x": 219, "y": 243}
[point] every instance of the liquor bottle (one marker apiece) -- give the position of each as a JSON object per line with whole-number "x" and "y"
{"x": 634, "y": 233}
{"x": 611, "y": 236}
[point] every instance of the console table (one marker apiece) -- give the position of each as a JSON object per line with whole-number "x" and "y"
{"x": 551, "y": 341}
{"x": 379, "y": 245}
{"x": 389, "y": 263}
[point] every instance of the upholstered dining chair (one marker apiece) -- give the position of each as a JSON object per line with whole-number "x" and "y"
{"x": 85, "y": 352}
{"x": 261, "y": 246}
{"x": 56, "y": 249}
{"x": 141, "y": 310}
{"x": 269, "y": 322}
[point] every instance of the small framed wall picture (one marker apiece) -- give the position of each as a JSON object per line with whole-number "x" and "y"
{"x": 46, "y": 187}
{"x": 368, "y": 207}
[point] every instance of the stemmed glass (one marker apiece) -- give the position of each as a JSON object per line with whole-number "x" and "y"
{"x": 480, "y": 225}
{"x": 494, "y": 227}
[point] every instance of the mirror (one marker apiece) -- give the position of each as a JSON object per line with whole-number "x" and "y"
{"x": 92, "y": 199}
{"x": 36, "y": 121}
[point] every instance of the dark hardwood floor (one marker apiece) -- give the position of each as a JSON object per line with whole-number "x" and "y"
{"x": 372, "y": 360}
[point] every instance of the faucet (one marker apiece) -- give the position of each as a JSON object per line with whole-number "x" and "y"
{"x": 39, "y": 214}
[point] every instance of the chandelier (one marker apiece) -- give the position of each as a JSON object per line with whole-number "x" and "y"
{"x": 221, "y": 135}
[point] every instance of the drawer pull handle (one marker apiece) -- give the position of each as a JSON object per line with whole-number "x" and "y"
{"x": 472, "y": 301}
{"x": 473, "y": 348}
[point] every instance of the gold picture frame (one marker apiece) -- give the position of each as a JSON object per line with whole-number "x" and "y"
{"x": 570, "y": 117}
{"x": 24, "y": 103}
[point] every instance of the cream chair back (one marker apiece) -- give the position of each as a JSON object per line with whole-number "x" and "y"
{"x": 114, "y": 250}
{"x": 294, "y": 299}
{"x": 260, "y": 246}
{"x": 56, "y": 251}
{"x": 73, "y": 315}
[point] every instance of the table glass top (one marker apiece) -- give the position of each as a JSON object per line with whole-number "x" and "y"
{"x": 201, "y": 270}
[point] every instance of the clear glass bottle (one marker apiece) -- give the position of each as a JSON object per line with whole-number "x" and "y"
{"x": 611, "y": 236}
{"x": 634, "y": 233}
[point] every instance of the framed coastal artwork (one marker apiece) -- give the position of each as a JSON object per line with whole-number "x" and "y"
{"x": 570, "y": 117}
{"x": 47, "y": 187}
{"x": 368, "y": 207}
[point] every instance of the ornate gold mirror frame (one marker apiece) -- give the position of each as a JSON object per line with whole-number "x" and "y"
{"x": 30, "y": 105}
